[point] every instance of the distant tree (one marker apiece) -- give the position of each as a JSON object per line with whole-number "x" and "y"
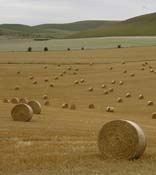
{"x": 82, "y": 48}
{"x": 119, "y": 46}
{"x": 29, "y": 49}
{"x": 68, "y": 49}
{"x": 46, "y": 49}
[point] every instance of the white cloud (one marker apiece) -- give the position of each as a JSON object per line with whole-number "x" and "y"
{"x": 59, "y": 11}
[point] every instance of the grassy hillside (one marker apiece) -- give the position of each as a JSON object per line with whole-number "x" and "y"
{"x": 50, "y": 30}
{"x": 139, "y": 26}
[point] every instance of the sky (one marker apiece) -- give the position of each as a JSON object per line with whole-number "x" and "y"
{"x": 33, "y": 12}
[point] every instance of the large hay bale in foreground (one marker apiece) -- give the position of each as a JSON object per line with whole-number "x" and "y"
{"x": 22, "y": 112}
{"x": 36, "y": 106}
{"x": 121, "y": 139}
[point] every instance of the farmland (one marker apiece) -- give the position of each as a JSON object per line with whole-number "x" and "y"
{"x": 64, "y": 141}
{"x": 74, "y": 44}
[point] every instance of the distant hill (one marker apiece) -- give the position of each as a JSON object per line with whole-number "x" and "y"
{"x": 51, "y": 30}
{"x": 144, "y": 25}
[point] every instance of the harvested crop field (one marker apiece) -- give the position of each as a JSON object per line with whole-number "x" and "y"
{"x": 62, "y": 140}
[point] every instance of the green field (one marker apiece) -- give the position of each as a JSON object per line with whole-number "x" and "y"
{"x": 63, "y": 44}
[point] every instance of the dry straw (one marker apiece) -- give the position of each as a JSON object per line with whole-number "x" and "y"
{"x": 121, "y": 139}
{"x": 22, "y": 112}
{"x": 36, "y": 106}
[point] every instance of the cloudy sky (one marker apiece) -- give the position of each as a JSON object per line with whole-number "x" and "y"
{"x": 34, "y": 12}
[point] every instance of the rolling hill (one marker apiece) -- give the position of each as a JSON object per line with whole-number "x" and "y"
{"x": 144, "y": 25}
{"x": 51, "y": 30}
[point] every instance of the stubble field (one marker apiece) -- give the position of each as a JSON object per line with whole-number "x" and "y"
{"x": 64, "y": 141}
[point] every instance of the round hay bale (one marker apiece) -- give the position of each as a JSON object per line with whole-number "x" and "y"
{"x": 121, "y": 139}
{"x": 31, "y": 77}
{"x": 121, "y": 82}
{"x": 61, "y": 74}
{"x": 154, "y": 115}
{"x": 82, "y": 80}
{"x": 141, "y": 96}
{"x": 109, "y": 109}
{"x": 150, "y": 103}
{"x": 105, "y": 92}
{"x": 15, "y": 100}
{"x": 17, "y": 88}
{"x": 35, "y": 82}
{"x": 103, "y": 86}
{"x": 128, "y": 95}
{"x": 91, "y": 63}
{"x": 125, "y": 71}
{"x": 142, "y": 68}
{"x": 46, "y": 80}
{"x": 111, "y": 68}
{"x": 45, "y": 67}
{"x": 76, "y": 69}
{"x": 69, "y": 68}
{"x": 22, "y": 112}
{"x": 111, "y": 90}
{"x": 72, "y": 106}
{"x": 64, "y": 72}
{"x": 45, "y": 97}
{"x": 76, "y": 82}
{"x": 132, "y": 74}
{"x": 65, "y": 105}
{"x": 91, "y": 106}
{"x": 51, "y": 85}
{"x": 56, "y": 78}
{"x": 150, "y": 67}
{"x": 47, "y": 103}
{"x": 123, "y": 62}
{"x": 146, "y": 62}
{"x": 143, "y": 64}
{"x": 74, "y": 73}
{"x": 90, "y": 89}
{"x": 113, "y": 82}
{"x": 155, "y": 71}
{"x": 23, "y": 100}
{"x": 36, "y": 106}
{"x": 18, "y": 72}
{"x": 119, "y": 100}
{"x": 5, "y": 100}
{"x": 151, "y": 70}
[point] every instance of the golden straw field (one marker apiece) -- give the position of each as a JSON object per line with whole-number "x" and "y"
{"x": 63, "y": 141}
